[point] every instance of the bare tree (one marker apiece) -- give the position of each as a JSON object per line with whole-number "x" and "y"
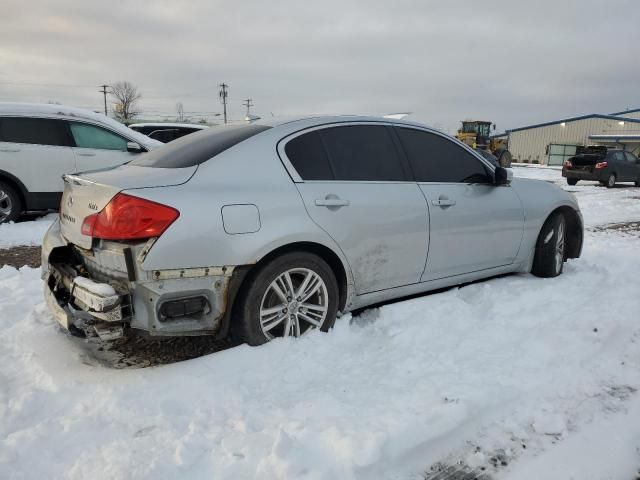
{"x": 127, "y": 96}
{"x": 180, "y": 110}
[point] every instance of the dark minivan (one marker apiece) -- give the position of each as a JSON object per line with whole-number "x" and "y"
{"x": 600, "y": 164}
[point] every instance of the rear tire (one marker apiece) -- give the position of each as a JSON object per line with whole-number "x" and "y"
{"x": 272, "y": 305}
{"x": 572, "y": 181}
{"x": 504, "y": 158}
{"x": 611, "y": 181}
{"x": 10, "y": 203}
{"x": 550, "y": 247}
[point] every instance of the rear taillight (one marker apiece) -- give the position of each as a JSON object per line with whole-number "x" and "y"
{"x": 600, "y": 165}
{"x": 129, "y": 218}
{"x": 567, "y": 164}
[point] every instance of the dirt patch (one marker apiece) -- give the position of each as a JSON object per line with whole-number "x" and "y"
{"x": 632, "y": 228}
{"x": 20, "y": 256}
{"x": 138, "y": 351}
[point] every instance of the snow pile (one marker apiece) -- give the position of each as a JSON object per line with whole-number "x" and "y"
{"x": 25, "y": 233}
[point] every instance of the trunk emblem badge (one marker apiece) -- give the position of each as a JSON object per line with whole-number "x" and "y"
{"x": 70, "y": 201}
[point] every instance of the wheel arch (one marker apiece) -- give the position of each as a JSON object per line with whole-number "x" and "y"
{"x": 322, "y": 251}
{"x": 17, "y": 184}
{"x": 575, "y": 230}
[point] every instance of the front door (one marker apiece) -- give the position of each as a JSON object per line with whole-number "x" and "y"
{"x": 474, "y": 225}
{"x": 97, "y": 147}
{"x": 356, "y": 188}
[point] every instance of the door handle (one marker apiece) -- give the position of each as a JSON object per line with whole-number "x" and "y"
{"x": 332, "y": 202}
{"x": 86, "y": 154}
{"x": 10, "y": 150}
{"x": 443, "y": 202}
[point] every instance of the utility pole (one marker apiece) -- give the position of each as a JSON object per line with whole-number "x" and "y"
{"x": 104, "y": 92}
{"x": 247, "y": 103}
{"x": 223, "y": 97}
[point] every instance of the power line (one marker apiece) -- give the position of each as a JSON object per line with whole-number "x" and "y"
{"x": 247, "y": 103}
{"x": 223, "y": 93}
{"x": 104, "y": 92}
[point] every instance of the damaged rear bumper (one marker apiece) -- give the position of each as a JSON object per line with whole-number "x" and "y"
{"x": 101, "y": 291}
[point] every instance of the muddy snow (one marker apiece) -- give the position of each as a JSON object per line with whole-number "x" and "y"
{"x": 515, "y": 377}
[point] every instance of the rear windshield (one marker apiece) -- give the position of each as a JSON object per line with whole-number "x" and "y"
{"x": 198, "y": 147}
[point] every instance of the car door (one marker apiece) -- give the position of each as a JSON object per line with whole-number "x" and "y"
{"x": 356, "y": 188}
{"x": 633, "y": 167}
{"x": 96, "y": 147}
{"x": 474, "y": 225}
{"x": 37, "y": 151}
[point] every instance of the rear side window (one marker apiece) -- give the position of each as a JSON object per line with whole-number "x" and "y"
{"x": 362, "y": 153}
{"x": 199, "y": 147}
{"x": 38, "y": 131}
{"x": 618, "y": 155}
{"x": 434, "y": 158}
{"x": 308, "y": 156}
{"x": 90, "y": 136}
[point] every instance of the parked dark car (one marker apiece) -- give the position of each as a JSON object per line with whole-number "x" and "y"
{"x": 166, "y": 132}
{"x": 603, "y": 165}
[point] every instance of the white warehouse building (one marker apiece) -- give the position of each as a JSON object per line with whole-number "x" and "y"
{"x": 551, "y": 143}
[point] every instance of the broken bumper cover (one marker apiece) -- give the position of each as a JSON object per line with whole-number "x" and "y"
{"x": 80, "y": 306}
{"x": 95, "y": 289}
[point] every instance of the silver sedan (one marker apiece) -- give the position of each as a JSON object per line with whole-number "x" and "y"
{"x": 272, "y": 229}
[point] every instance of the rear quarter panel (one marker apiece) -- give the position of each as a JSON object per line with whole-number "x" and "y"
{"x": 250, "y": 173}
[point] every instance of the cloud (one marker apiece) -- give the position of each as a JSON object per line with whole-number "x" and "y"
{"x": 510, "y": 62}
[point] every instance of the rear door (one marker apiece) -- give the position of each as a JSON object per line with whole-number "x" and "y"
{"x": 37, "y": 151}
{"x": 356, "y": 188}
{"x": 474, "y": 225}
{"x": 96, "y": 147}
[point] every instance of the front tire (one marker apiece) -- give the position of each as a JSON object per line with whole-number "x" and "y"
{"x": 611, "y": 181}
{"x": 550, "y": 247}
{"x": 10, "y": 203}
{"x": 289, "y": 296}
{"x": 572, "y": 181}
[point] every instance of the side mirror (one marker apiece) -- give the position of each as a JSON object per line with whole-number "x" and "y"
{"x": 133, "y": 147}
{"x": 502, "y": 176}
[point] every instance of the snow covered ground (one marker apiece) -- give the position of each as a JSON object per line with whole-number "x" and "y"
{"x": 29, "y": 232}
{"x": 540, "y": 374}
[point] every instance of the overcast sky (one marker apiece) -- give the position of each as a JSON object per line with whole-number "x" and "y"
{"x": 512, "y": 62}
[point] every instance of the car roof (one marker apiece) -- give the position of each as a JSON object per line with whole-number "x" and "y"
{"x": 198, "y": 126}
{"x": 64, "y": 111}
{"x": 312, "y": 120}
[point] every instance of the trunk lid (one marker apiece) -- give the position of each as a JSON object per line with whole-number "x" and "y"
{"x": 88, "y": 193}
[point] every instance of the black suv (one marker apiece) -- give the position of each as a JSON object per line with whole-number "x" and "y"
{"x": 602, "y": 165}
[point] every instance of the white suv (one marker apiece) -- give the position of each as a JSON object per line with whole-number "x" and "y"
{"x": 41, "y": 142}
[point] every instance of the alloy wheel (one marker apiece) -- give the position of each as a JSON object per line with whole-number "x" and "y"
{"x": 6, "y": 206}
{"x": 559, "y": 256}
{"x": 293, "y": 304}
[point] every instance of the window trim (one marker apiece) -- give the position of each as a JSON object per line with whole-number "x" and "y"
{"x": 488, "y": 165}
{"x": 293, "y": 173}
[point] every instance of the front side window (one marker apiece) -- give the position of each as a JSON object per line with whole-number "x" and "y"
{"x": 630, "y": 157}
{"x": 37, "y": 131}
{"x": 435, "y": 158}
{"x": 362, "y": 153}
{"x": 90, "y": 136}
